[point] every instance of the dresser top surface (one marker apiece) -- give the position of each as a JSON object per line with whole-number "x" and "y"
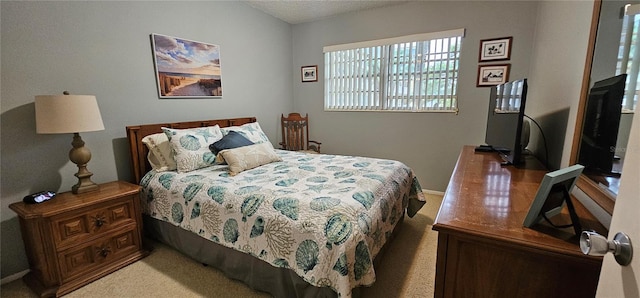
{"x": 488, "y": 199}
{"x": 66, "y": 201}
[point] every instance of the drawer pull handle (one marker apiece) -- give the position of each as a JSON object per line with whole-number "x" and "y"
{"x": 99, "y": 220}
{"x": 104, "y": 251}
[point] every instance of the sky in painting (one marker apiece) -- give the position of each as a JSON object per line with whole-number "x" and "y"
{"x": 185, "y": 56}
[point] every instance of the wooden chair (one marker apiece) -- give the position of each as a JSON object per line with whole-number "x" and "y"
{"x": 295, "y": 134}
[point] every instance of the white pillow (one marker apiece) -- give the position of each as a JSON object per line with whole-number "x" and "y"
{"x": 191, "y": 146}
{"x": 160, "y": 155}
{"x": 248, "y": 157}
{"x": 252, "y": 131}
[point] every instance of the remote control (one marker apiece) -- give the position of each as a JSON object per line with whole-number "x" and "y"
{"x": 484, "y": 148}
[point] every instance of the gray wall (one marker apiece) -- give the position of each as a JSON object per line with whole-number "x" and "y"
{"x": 555, "y": 80}
{"x": 103, "y": 48}
{"x": 427, "y": 142}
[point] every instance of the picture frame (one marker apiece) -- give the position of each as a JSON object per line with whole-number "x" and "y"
{"x": 495, "y": 49}
{"x": 186, "y": 68}
{"x": 495, "y": 74}
{"x": 552, "y": 195}
{"x": 309, "y": 73}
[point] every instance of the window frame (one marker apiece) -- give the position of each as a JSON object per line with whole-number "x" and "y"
{"x": 398, "y": 62}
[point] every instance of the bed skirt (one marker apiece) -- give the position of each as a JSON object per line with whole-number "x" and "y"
{"x": 255, "y": 273}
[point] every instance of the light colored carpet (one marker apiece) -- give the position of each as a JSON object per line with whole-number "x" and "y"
{"x": 407, "y": 270}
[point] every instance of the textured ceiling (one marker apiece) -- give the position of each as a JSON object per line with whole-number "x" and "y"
{"x": 301, "y": 11}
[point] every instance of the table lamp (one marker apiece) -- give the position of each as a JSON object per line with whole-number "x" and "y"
{"x": 66, "y": 113}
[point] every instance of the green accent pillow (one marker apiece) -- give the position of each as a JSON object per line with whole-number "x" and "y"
{"x": 252, "y": 131}
{"x": 191, "y": 146}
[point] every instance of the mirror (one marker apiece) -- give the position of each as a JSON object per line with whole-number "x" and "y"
{"x": 605, "y": 59}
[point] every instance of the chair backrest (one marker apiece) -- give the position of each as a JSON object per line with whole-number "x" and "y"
{"x": 295, "y": 132}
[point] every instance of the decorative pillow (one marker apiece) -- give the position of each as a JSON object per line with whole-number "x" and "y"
{"x": 252, "y": 131}
{"x": 232, "y": 140}
{"x": 191, "y": 146}
{"x": 160, "y": 155}
{"x": 248, "y": 157}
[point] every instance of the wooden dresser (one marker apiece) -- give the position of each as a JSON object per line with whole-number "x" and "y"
{"x": 72, "y": 240}
{"x": 483, "y": 249}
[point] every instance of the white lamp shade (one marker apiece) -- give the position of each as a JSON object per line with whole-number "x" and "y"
{"x": 67, "y": 114}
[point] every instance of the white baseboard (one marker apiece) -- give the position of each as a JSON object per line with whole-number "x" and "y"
{"x": 433, "y": 192}
{"x": 14, "y": 277}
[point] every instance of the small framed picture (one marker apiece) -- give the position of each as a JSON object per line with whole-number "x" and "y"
{"x": 490, "y": 75}
{"x": 495, "y": 49}
{"x": 552, "y": 195}
{"x": 309, "y": 73}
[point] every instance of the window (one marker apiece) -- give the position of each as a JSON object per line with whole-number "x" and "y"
{"x": 629, "y": 56}
{"x": 414, "y": 73}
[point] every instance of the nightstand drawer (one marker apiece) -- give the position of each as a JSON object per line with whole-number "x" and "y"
{"x": 69, "y": 229}
{"x": 92, "y": 255}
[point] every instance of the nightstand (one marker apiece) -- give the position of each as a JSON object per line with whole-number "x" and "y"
{"x": 74, "y": 239}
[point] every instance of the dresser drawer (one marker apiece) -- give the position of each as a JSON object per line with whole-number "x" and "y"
{"x": 84, "y": 224}
{"x": 84, "y": 259}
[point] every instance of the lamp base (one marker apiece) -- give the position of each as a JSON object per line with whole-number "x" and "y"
{"x": 84, "y": 184}
{"x": 80, "y": 155}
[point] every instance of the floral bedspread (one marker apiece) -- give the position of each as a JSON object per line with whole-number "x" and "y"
{"x": 323, "y": 216}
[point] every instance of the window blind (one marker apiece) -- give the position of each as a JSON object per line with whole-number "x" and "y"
{"x": 508, "y": 98}
{"x": 629, "y": 56}
{"x": 409, "y": 73}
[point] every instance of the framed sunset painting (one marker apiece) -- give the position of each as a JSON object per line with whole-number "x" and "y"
{"x": 186, "y": 68}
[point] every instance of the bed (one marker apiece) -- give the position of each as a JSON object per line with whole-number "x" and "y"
{"x": 288, "y": 223}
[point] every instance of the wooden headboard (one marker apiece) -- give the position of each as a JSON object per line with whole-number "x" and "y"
{"x": 139, "y": 163}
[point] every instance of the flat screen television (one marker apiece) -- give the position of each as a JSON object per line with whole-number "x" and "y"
{"x": 507, "y": 131}
{"x": 600, "y": 126}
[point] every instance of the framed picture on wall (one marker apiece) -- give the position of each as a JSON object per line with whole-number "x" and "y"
{"x": 186, "y": 68}
{"x": 495, "y": 49}
{"x": 489, "y": 75}
{"x": 309, "y": 73}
